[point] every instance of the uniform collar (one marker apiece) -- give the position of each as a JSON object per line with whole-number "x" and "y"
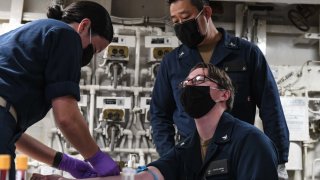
{"x": 227, "y": 45}
{"x": 224, "y": 129}
{"x": 191, "y": 144}
{"x": 223, "y": 133}
{"x": 229, "y": 42}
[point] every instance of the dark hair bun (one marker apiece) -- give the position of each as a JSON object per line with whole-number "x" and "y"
{"x": 55, "y": 12}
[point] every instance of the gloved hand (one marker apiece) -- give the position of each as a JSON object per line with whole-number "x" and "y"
{"x": 77, "y": 168}
{"x": 103, "y": 164}
{"x": 282, "y": 172}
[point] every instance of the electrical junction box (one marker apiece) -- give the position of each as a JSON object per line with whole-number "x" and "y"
{"x": 117, "y": 53}
{"x": 113, "y": 108}
{"x": 119, "y": 48}
{"x": 119, "y": 40}
{"x": 159, "y": 52}
{"x": 161, "y": 41}
{"x": 104, "y": 102}
{"x": 160, "y": 45}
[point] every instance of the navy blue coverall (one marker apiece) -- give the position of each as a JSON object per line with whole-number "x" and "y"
{"x": 39, "y": 61}
{"x": 237, "y": 151}
{"x": 253, "y": 81}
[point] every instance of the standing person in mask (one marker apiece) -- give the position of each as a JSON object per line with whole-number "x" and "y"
{"x": 243, "y": 62}
{"x": 222, "y": 146}
{"x": 40, "y": 69}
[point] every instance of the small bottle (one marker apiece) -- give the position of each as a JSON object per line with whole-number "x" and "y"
{"x": 128, "y": 173}
{"x": 4, "y": 166}
{"x": 21, "y": 167}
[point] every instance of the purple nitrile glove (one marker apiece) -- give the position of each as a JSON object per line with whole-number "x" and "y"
{"x": 77, "y": 168}
{"x": 103, "y": 164}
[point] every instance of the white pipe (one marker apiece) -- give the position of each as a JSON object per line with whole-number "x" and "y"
{"x": 136, "y": 94}
{"x": 54, "y": 134}
{"x": 88, "y": 72}
{"x": 136, "y": 21}
{"x": 151, "y": 29}
{"x": 137, "y": 59}
{"x": 145, "y": 142}
{"x": 137, "y": 111}
{"x": 115, "y": 75}
{"x": 133, "y": 150}
{"x": 91, "y": 110}
{"x": 123, "y": 140}
{"x": 137, "y": 141}
{"x": 129, "y": 134}
{"x": 119, "y": 88}
{"x": 112, "y": 139}
{"x": 305, "y": 152}
{"x": 98, "y": 73}
{"x": 139, "y": 135}
{"x": 313, "y": 165}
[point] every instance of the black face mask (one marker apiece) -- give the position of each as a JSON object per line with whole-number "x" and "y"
{"x": 188, "y": 33}
{"x": 87, "y": 55}
{"x": 196, "y": 100}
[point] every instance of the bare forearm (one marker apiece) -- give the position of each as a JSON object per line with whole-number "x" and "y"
{"x": 140, "y": 176}
{"x": 145, "y": 175}
{"x": 35, "y": 149}
{"x": 78, "y": 135}
{"x": 73, "y": 126}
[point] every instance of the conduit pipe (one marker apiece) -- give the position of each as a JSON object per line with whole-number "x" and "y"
{"x": 94, "y": 88}
{"x": 137, "y": 59}
{"x": 112, "y": 138}
{"x": 91, "y": 110}
{"x": 158, "y": 31}
{"x": 134, "y": 150}
{"x": 115, "y": 75}
{"x": 127, "y": 134}
{"x": 98, "y": 73}
{"x": 119, "y": 88}
{"x": 88, "y": 71}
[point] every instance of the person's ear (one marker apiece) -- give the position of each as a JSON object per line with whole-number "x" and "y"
{"x": 207, "y": 11}
{"x": 226, "y": 95}
{"x": 84, "y": 25}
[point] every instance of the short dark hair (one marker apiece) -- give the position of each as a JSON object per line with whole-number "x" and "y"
{"x": 100, "y": 19}
{"x": 197, "y": 3}
{"x": 222, "y": 79}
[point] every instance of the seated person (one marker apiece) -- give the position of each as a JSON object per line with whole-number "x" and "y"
{"x": 223, "y": 147}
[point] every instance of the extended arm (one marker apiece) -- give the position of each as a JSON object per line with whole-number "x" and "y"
{"x": 270, "y": 108}
{"x": 161, "y": 111}
{"x": 73, "y": 126}
{"x": 35, "y": 149}
{"x": 141, "y": 176}
{"x": 40, "y": 152}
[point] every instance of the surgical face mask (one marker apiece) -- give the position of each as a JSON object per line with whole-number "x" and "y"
{"x": 188, "y": 32}
{"x": 196, "y": 100}
{"x": 87, "y": 53}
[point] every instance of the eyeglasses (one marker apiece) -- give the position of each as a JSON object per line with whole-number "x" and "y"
{"x": 198, "y": 79}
